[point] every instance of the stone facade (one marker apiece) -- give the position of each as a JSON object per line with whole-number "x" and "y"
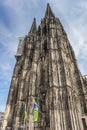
{"x": 46, "y": 71}
{"x": 1, "y": 118}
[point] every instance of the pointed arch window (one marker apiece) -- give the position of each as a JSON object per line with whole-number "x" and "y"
{"x": 45, "y": 48}
{"x": 44, "y": 31}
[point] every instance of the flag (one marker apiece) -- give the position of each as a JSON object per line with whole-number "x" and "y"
{"x": 25, "y": 116}
{"x": 35, "y": 112}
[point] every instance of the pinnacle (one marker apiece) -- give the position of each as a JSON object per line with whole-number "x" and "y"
{"x": 33, "y": 27}
{"x": 49, "y": 12}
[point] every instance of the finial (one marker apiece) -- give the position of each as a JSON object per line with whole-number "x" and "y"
{"x": 49, "y": 12}
{"x": 33, "y": 27}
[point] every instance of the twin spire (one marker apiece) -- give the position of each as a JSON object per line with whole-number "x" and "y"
{"x": 48, "y": 14}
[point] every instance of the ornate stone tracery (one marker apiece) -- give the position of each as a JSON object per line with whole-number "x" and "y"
{"x": 46, "y": 71}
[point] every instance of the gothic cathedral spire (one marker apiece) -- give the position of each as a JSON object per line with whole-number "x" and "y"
{"x": 46, "y": 72}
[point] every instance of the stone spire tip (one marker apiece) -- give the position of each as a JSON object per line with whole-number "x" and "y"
{"x": 33, "y": 27}
{"x": 49, "y": 12}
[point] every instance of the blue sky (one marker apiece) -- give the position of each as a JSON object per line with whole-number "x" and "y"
{"x": 16, "y": 17}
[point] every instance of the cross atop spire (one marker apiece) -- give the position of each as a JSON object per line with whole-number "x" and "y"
{"x": 49, "y": 12}
{"x": 33, "y": 27}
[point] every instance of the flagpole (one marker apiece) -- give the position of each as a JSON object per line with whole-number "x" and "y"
{"x": 25, "y": 117}
{"x": 24, "y": 126}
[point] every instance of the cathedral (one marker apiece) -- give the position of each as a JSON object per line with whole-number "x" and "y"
{"x": 46, "y": 72}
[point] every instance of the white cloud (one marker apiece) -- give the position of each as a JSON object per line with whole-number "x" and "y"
{"x": 2, "y": 108}
{"x": 8, "y": 47}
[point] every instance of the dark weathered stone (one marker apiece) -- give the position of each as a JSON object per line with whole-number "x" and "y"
{"x": 1, "y": 119}
{"x": 46, "y": 71}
